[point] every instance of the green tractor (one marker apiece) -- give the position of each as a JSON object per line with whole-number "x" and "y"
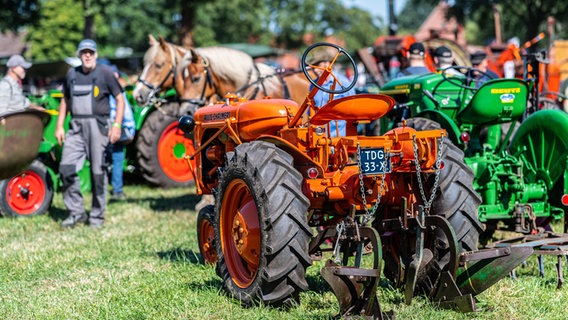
{"x": 157, "y": 151}
{"x": 520, "y": 171}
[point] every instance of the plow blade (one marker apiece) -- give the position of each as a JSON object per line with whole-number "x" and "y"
{"x": 354, "y": 287}
{"x": 478, "y": 271}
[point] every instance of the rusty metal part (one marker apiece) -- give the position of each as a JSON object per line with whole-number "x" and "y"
{"x": 479, "y": 270}
{"x": 354, "y": 287}
{"x": 543, "y": 243}
{"x": 20, "y": 136}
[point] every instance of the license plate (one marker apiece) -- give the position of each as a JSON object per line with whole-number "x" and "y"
{"x": 373, "y": 161}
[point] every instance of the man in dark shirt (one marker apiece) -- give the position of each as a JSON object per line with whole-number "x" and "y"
{"x": 416, "y": 55}
{"x": 86, "y": 97}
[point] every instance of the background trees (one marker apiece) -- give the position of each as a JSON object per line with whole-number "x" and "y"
{"x": 54, "y": 27}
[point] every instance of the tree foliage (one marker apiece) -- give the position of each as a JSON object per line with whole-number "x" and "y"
{"x": 61, "y": 24}
{"x": 18, "y": 13}
{"x": 56, "y": 35}
{"x": 519, "y": 18}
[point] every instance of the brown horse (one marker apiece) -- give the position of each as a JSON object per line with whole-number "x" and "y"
{"x": 204, "y": 75}
{"x": 161, "y": 70}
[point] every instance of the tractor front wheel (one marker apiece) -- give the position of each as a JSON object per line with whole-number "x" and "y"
{"x": 262, "y": 228}
{"x": 29, "y": 193}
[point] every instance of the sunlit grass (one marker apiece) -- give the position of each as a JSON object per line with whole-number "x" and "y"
{"x": 144, "y": 265}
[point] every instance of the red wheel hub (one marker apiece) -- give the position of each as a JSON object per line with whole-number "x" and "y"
{"x": 172, "y": 148}
{"x": 206, "y": 241}
{"x": 25, "y": 193}
{"x": 240, "y": 233}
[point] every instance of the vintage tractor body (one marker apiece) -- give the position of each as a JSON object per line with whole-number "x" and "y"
{"x": 288, "y": 192}
{"x": 520, "y": 170}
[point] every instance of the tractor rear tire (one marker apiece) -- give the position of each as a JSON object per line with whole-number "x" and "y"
{"x": 161, "y": 147}
{"x": 263, "y": 232}
{"x": 27, "y": 194}
{"x": 456, "y": 201}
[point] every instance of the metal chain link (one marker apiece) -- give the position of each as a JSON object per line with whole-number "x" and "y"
{"x": 370, "y": 214}
{"x": 428, "y": 203}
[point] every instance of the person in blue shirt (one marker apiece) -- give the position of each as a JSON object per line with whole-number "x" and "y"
{"x": 322, "y": 59}
{"x": 117, "y": 149}
{"x": 417, "y": 65}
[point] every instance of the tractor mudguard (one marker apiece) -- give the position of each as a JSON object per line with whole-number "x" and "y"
{"x": 497, "y": 101}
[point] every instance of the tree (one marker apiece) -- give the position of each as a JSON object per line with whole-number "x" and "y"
{"x": 58, "y": 30}
{"x": 291, "y": 19}
{"x": 232, "y": 21}
{"x": 521, "y": 18}
{"x": 16, "y": 14}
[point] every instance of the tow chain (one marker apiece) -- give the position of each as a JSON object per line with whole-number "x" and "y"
{"x": 369, "y": 214}
{"x": 428, "y": 203}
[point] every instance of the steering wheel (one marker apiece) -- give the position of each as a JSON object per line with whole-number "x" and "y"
{"x": 471, "y": 75}
{"x": 327, "y": 47}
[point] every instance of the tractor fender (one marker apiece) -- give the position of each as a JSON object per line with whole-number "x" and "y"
{"x": 445, "y": 122}
{"x": 299, "y": 157}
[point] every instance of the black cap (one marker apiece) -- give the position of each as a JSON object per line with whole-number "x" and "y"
{"x": 416, "y": 48}
{"x": 477, "y": 57}
{"x": 443, "y": 52}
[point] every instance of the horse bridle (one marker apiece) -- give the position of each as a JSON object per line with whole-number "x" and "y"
{"x": 156, "y": 89}
{"x": 209, "y": 82}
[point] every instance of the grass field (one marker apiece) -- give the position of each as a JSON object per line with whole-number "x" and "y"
{"x": 144, "y": 265}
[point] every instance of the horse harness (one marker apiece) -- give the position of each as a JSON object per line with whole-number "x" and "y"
{"x": 172, "y": 72}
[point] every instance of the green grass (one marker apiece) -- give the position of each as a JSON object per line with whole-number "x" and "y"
{"x": 144, "y": 265}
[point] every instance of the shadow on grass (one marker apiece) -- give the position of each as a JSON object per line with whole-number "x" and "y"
{"x": 58, "y": 214}
{"x": 317, "y": 284}
{"x": 165, "y": 204}
{"x": 180, "y": 255}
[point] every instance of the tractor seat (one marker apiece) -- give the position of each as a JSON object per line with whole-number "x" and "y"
{"x": 360, "y": 107}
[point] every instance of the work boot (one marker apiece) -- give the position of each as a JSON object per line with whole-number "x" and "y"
{"x": 72, "y": 220}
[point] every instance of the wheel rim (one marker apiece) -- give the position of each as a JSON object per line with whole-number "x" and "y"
{"x": 543, "y": 151}
{"x": 240, "y": 233}
{"x": 25, "y": 193}
{"x": 206, "y": 241}
{"x": 172, "y": 148}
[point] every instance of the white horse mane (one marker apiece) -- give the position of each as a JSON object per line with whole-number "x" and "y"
{"x": 233, "y": 65}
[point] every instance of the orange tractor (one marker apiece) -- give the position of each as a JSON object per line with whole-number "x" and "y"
{"x": 288, "y": 193}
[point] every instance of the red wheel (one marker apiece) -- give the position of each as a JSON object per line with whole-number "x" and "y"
{"x": 240, "y": 233}
{"x": 172, "y": 147}
{"x": 206, "y": 235}
{"x": 261, "y": 226}
{"x": 161, "y": 147}
{"x": 29, "y": 193}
